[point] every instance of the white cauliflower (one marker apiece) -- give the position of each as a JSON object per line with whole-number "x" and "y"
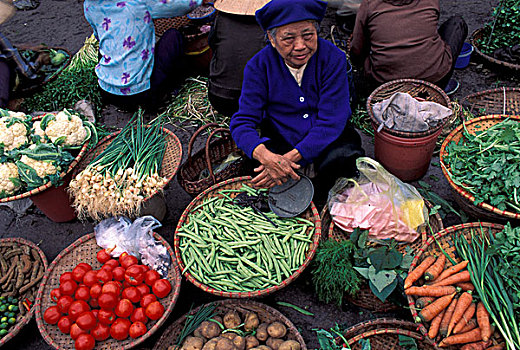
{"x": 37, "y": 130}
{"x": 73, "y": 129}
{"x": 42, "y": 168}
{"x": 9, "y": 171}
{"x": 15, "y": 135}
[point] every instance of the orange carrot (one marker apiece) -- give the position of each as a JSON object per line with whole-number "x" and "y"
{"x": 463, "y": 303}
{"x": 423, "y": 301}
{"x": 431, "y": 291}
{"x": 429, "y": 312}
{"x": 497, "y": 347}
{"x": 483, "y": 321}
{"x": 481, "y": 345}
{"x": 452, "y": 270}
{"x": 472, "y": 324}
{"x": 416, "y": 273}
{"x": 434, "y": 326}
{"x": 465, "y": 286}
{"x": 436, "y": 269}
{"x": 468, "y": 314}
{"x": 463, "y": 338}
{"x": 447, "y": 317}
{"x": 462, "y": 276}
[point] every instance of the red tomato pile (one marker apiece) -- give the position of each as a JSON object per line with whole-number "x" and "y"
{"x": 115, "y": 301}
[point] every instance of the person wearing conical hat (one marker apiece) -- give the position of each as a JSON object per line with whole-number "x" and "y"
{"x": 295, "y": 91}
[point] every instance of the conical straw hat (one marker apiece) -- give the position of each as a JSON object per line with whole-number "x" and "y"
{"x": 6, "y": 10}
{"x": 240, "y": 7}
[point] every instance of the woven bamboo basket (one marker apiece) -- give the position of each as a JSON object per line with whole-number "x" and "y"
{"x": 364, "y": 297}
{"x": 383, "y": 334}
{"x": 265, "y": 314}
{"x": 79, "y": 155}
{"x": 6, "y": 245}
{"x": 445, "y": 239}
{"x": 215, "y": 151}
{"x": 310, "y": 214}
{"x": 163, "y": 24}
{"x": 464, "y": 198}
{"x": 84, "y": 250}
{"x": 416, "y": 88}
{"x": 505, "y": 100}
{"x": 475, "y": 38}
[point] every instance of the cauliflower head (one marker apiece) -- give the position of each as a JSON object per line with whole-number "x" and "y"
{"x": 69, "y": 126}
{"x": 13, "y": 135}
{"x": 37, "y": 129}
{"x": 42, "y": 168}
{"x": 8, "y": 172}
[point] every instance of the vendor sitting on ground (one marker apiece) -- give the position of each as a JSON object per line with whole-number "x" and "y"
{"x": 133, "y": 70}
{"x": 296, "y": 92}
{"x": 397, "y": 39}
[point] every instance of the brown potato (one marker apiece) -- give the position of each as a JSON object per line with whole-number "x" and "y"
{"x": 193, "y": 343}
{"x": 261, "y": 347}
{"x": 251, "y": 321}
{"x": 274, "y": 343}
{"x": 289, "y": 345}
{"x": 229, "y": 335}
{"x": 276, "y": 330}
{"x": 224, "y": 344}
{"x": 251, "y": 342}
{"x": 239, "y": 342}
{"x": 232, "y": 319}
{"x": 210, "y": 329}
{"x": 261, "y": 332}
{"x": 211, "y": 344}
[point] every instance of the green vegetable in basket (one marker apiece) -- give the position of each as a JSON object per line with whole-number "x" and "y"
{"x": 57, "y": 57}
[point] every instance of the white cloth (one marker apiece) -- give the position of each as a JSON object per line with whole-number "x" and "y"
{"x": 297, "y": 73}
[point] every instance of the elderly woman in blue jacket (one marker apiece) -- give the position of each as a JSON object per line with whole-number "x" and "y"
{"x": 295, "y": 91}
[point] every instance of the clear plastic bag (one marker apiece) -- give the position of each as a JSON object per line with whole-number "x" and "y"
{"x": 379, "y": 202}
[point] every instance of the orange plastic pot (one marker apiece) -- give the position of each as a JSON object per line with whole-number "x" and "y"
{"x": 55, "y": 202}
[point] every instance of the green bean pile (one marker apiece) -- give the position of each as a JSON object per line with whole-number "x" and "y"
{"x": 235, "y": 249}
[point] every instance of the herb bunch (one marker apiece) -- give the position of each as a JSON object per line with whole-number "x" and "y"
{"x": 504, "y": 29}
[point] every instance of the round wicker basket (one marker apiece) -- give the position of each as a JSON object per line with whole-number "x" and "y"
{"x": 445, "y": 238}
{"x": 84, "y": 250}
{"x": 505, "y": 100}
{"x": 464, "y": 198}
{"x": 416, "y": 88}
{"x": 310, "y": 214}
{"x": 265, "y": 314}
{"x": 475, "y": 38}
{"x": 163, "y": 24}
{"x": 30, "y": 294}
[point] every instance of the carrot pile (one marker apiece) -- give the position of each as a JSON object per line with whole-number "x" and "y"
{"x": 448, "y": 306}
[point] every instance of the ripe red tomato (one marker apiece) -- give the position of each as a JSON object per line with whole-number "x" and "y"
{"x": 111, "y": 287}
{"x": 82, "y": 293}
{"x": 77, "y": 308}
{"x": 75, "y": 331}
{"x": 64, "y": 303}
{"x": 64, "y": 324}
{"x": 138, "y": 315}
{"x": 132, "y": 294}
{"x": 119, "y": 329}
{"x": 103, "y": 256}
{"x": 95, "y": 290}
{"x": 107, "y": 301}
{"x": 134, "y": 275}
{"x": 52, "y": 315}
{"x": 128, "y": 261}
{"x": 68, "y": 287}
{"x": 100, "y": 332}
{"x": 110, "y": 264}
{"x": 78, "y": 273}
{"x": 86, "y": 320}
{"x": 93, "y": 303}
{"x": 104, "y": 275}
{"x": 161, "y": 288}
{"x": 66, "y": 276}
{"x": 118, "y": 273}
{"x": 106, "y": 316}
{"x": 124, "y": 308}
{"x": 96, "y": 313}
{"x": 90, "y": 278}
{"x": 137, "y": 329}
{"x": 151, "y": 276}
{"x": 85, "y": 342}
{"x": 147, "y": 299}
{"x": 143, "y": 289}
{"x": 85, "y": 266}
{"x": 154, "y": 310}
{"x": 55, "y": 294}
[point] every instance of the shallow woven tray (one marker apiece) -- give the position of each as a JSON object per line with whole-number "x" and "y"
{"x": 30, "y": 294}
{"x": 76, "y": 160}
{"x": 365, "y": 298}
{"x": 384, "y": 334}
{"x": 265, "y": 314}
{"x": 84, "y": 250}
{"x": 505, "y": 100}
{"x": 463, "y": 197}
{"x": 445, "y": 239}
{"x": 477, "y": 35}
{"x": 310, "y": 214}
{"x": 163, "y": 24}
{"x": 415, "y": 88}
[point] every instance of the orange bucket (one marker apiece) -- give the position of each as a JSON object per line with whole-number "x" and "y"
{"x": 55, "y": 202}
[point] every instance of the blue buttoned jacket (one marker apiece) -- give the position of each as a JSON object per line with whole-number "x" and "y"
{"x": 309, "y": 117}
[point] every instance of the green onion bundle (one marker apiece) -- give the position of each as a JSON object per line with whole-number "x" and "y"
{"x": 121, "y": 177}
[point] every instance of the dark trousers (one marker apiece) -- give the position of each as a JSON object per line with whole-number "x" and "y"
{"x": 6, "y": 78}
{"x": 168, "y": 73}
{"x": 225, "y": 106}
{"x": 453, "y": 32}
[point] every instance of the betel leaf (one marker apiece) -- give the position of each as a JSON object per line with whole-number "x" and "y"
{"x": 363, "y": 271}
{"x": 381, "y": 279}
{"x": 385, "y": 293}
{"x": 384, "y": 258}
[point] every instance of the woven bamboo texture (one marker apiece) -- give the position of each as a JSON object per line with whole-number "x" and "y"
{"x": 475, "y": 37}
{"x": 364, "y": 297}
{"x": 416, "y": 88}
{"x": 464, "y": 198}
{"x": 163, "y": 24}
{"x": 445, "y": 239}
{"x": 84, "y": 250}
{"x": 42, "y": 188}
{"x": 215, "y": 152}
{"x": 310, "y": 214}
{"x": 29, "y": 294}
{"x": 383, "y": 334}
{"x": 505, "y": 100}
{"x": 265, "y": 314}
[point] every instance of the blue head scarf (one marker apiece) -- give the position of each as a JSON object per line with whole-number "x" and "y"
{"x": 277, "y": 13}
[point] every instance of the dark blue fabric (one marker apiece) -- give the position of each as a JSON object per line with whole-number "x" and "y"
{"x": 277, "y": 13}
{"x": 309, "y": 117}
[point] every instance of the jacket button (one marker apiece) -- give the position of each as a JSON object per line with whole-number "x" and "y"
{"x": 302, "y": 99}
{"x": 305, "y": 116}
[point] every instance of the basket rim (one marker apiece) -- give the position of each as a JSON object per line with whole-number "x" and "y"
{"x": 28, "y": 316}
{"x": 238, "y": 303}
{"x": 77, "y": 159}
{"x": 248, "y": 294}
{"x": 404, "y": 133}
{"x": 467, "y": 195}
{"x": 504, "y": 90}
{"x": 176, "y": 285}
{"x": 487, "y": 57}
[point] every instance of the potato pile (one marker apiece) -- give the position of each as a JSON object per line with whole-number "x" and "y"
{"x": 234, "y": 333}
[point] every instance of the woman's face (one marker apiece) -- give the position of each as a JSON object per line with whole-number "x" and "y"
{"x": 295, "y": 42}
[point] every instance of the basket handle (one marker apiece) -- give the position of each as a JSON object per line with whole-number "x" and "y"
{"x": 208, "y": 161}
{"x": 199, "y": 130}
